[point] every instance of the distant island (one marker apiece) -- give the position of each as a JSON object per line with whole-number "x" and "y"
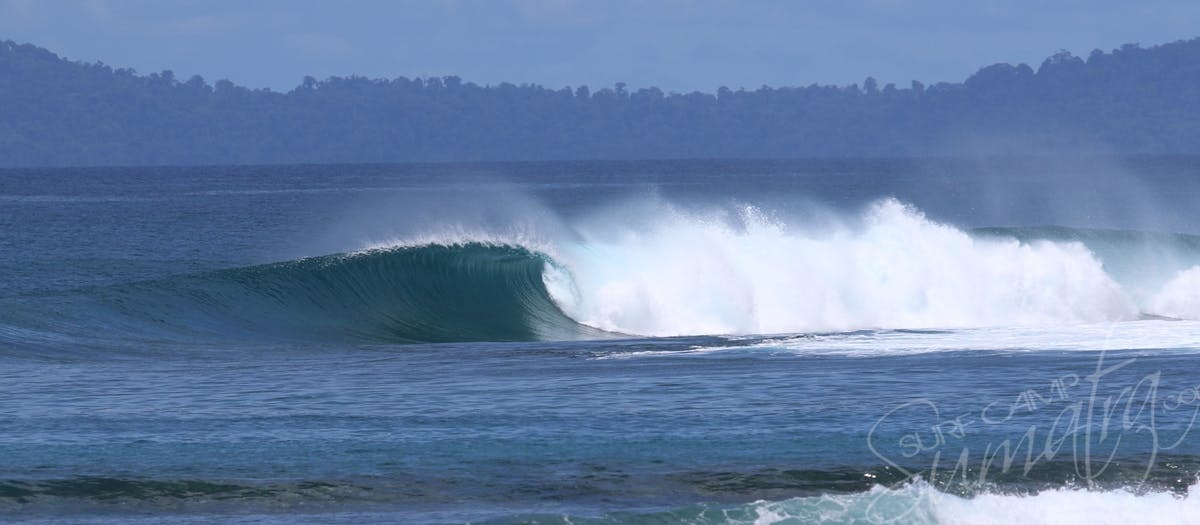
{"x": 56, "y": 112}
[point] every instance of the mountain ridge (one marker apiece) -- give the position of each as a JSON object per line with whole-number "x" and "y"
{"x": 57, "y": 112}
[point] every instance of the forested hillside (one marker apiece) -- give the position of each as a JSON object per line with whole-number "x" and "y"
{"x": 53, "y": 111}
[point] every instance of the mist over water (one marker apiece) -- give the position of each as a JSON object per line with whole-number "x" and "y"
{"x": 892, "y": 268}
{"x": 487, "y": 259}
{"x": 656, "y": 268}
{"x": 595, "y": 342}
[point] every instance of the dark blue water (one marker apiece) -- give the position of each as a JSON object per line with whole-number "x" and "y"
{"x": 695, "y": 342}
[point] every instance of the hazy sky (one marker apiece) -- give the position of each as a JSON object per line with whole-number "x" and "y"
{"x": 678, "y": 45}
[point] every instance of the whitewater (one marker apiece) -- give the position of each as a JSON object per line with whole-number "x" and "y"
{"x": 863, "y": 341}
{"x": 669, "y": 272}
{"x": 747, "y": 271}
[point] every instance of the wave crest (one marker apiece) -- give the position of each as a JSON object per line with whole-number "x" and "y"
{"x": 663, "y": 273}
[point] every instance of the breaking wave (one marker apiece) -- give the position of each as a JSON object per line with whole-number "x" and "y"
{"x": 674, "y": 273}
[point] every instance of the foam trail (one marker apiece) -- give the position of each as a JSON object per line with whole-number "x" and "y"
{"x": 1142, "y": 335}
{"x": 681, "y": 275}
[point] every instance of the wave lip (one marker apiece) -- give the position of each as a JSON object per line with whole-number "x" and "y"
{"x": 665, "y": 273}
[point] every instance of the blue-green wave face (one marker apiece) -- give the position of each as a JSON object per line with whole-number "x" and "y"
{"x": 432, "y": 293}
{"x": 677, "y": 275}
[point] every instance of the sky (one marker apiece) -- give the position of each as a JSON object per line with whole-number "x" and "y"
{"x": 677, "y": 45}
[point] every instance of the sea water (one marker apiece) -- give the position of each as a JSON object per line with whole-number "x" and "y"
{"x": 849, "y": 341}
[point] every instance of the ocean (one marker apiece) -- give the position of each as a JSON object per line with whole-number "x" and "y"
{"x": 909, "y": 341}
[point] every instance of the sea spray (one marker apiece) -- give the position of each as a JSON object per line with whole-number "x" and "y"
{"x": 1179, "y": 297}
{"x": 662, "y": 271}
{"x": 896, "y": 268}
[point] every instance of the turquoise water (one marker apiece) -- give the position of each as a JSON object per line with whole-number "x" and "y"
{"x": 668, "y": 342}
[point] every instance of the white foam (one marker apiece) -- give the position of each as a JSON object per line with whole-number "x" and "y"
{"x": 1067, "y": 507}
{"x": 1179, "y": 297}
{"x": 918, "y": 503}
{"x": 681, "y": 274}
{"x": 661, "y": 271}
